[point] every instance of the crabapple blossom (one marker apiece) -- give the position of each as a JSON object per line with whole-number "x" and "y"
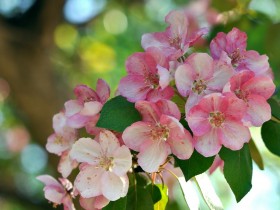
{"x": 58, "y": 193}
{"x": 234, "y": 46}
{"x": 94, "y": 203}
{"x": 199, "y": 76}
{"x": 142, "y": 81}
{"x": 217, "y": 120}
{"x": 87, "y": 105}
{"x": 254, "y": 91}
{"x": 104, "y": 166}
{"x": 218, "y": 163}
{"x": 158, "y": 135}
{"x": 177, "y": 38}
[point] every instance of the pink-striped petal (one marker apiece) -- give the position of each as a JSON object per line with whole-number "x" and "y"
{"x": 103, "y": 90}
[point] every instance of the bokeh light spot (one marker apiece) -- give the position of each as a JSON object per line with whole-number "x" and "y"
{"x": 33, "y": 159}
{"x": 99, "y": 56}
{"x": 4, "y": 89}
{"x": 81, "y": 11}
{"x": 65, "y": 36}
{"x": 115, "y": 22}
{"x": 10, "y": 8}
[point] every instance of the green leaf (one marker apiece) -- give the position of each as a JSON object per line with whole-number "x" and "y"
{"x": 271, "y": 136}
{"x": 275, "y": 107}
{"x": 256, "y": 156}
{"x": 155, "y": 192}
{"x": 161, "y": 204}
{"x": 119, "y": 204}
{"x": 195, "y": 165}
{"x": 117, "y": 114}
{"x": 238, "y": 170}
{"x": 139, "y": 199}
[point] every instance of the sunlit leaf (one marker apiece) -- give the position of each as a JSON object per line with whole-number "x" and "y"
{"x": 195, "y": 165}
{"x": 119, "y": 204}
{"x": 271, "y": 136}
{"x": 256, "y": 156}
{"x": 238, "y": 170}
{"x": 117, "y": 114}
{"x": 208, "y": 192}
{"x": 161, "y": 204}
{"x": 155, "y": 192}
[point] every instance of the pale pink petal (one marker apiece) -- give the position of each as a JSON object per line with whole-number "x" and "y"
{"x": 54, "y": 195}
{"x": 59, "y": 122}
{"x": 68, "y": 203}
{"x": 136, "y": 134}
{"x": 193, "y": 100}
{"x": 168, "y": 108}
{"x": 198, "y": 121}
{"x": 236, "y": 39}
{"x": 86, "y": 150}
{"x": 84, "y": 93}
{"x": 195, "y": 36}
{"x": 77, "y": 121}
{"x": 91, "y": 108}
{"x": 208, "y": 145}
{"x": 66, "y": 165}
{"x": 113, "y": 187}
{"x": 158, "y": 94}
{"x": 148, "y": 110}
{"x": 260, "y": 85}
{"x": 164, "y": 76}
{"x": 179, "y": 140}
{"x": 152, "y": 155}
{"x": 91, "y": 125}
{"x": 218, "y": 162}
{"x": 103, "y": 90}
{"x": 235, "y": 108}
{"x": 57, "y": 144}
{"x": 258, "y": 111}
{"x": 178, "y": 23}
{"x": 72, "y": 107}
{"x": 222, "y": 74}
{"x": 88, "y": 181}
{"x": 158, "y": 39}
{"x": 184, "y": 78}
{"x": 133, "y": 87}
{"x": 140, "y": 63}
{"x": 94, "y": 203}
{"x": 122, "y": 160}
{"x": 233, "y": 135}
{"x": 218, "y": 45}
{"x": 202, "y": 64}
{"x": 108, "y": 142}
{"x": 49, "y": 181}
{"x": 254, "y": 62}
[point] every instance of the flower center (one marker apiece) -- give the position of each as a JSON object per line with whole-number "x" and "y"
{"x": 216, "y": 119}
{"x": 198, "y": 86}
{"x": 160, "y": 132}
{"x": 152, "y": 81}
{"x": 236, "y": 57}
{"x": 106, "y": 163}
{"x": 175, "y": 42}
{"x": 242, "y": 94}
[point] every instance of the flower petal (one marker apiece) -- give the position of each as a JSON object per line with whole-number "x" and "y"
{"x": 72, "y": 107}
{"x": 91, "y": 108}
{"x": 233, "y": 135}
{"x": 152, "y": 155}
{"x": 94, "y": 203}
{"x": 136, "y": 134}
{"x": 218, "y": 45}
{"x": 184, "y": 78}
{"x": 113, "y": 186}
{"x": 86, "y": 150}
{"x": 88, "y": 181}
{"x": 122, "y": 161}
{"x": 157, "y": 94}
{"x": 103, "y": 90}
{"x": 208, "y": 145}
{"x": 108, "y": 142}
{"x": 148, "y": 110}
{"x": 66, "y": 165}
{"x": 167, "y": 107}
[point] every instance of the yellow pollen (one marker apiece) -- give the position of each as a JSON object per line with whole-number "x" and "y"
{"x": 216, "y": 119}
{"x": 198, "y": 86}
{"x": 160, "y": 132}
{"x": 242, "y": 94}
{"x": 106, "y": 163}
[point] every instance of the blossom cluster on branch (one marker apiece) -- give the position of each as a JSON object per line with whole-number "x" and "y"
{"x": 223, "y": 94}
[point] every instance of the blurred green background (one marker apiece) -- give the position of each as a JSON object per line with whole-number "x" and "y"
{"x": 47, "y": 47}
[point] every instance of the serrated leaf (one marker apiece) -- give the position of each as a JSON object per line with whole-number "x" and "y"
{"x": 275, "y": 107}
{"x": 238, "y": 170}
{"x": 255, "y": 154}
{"x": 270, "y": 132}
{"x": 195, "y": 165}
{"x": 161, "y": 204}
{"x": 119, "y": 204}
{"x": 117, "y": 114}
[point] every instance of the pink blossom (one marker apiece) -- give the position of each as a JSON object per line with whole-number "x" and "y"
{"x": 87, "y": 105}
{"x": 177, "y": 38}
{"x": 234, "y": 45}
{"x": 254, "y": 91}
{"x": 104, "y": 168}
{"x": 217, "y": 120}
{"x": 142, "y": 81}
{"x": 158, "y": 135}
{"x": 58, "y": 193}
{"x": 94, "y": 203}
{"x": 199, "y": 76}
{"x": 218, "y": 163}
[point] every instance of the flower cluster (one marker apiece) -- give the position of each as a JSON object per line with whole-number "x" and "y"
{"x": 224, "y": 94}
